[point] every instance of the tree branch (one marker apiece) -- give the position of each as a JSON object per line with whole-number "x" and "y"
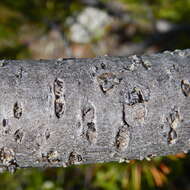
{"x": 56, "y": 113}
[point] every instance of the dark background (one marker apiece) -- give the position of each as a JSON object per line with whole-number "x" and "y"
{"x": 50, "y": 29}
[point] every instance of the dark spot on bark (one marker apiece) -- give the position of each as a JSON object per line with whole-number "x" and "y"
{"x": 108, "y": 81}
{"x": 7, "y": 155}
{"x": 7, "y": 131}
{"x": 47, "y": 134}
{"x": 59, "y": 103}
{"x": 18, "y": 136}
{"x": 5, "y": 122}
{"x": 88, "y": 112}
{"x": 179, "y": 52}
{"x": 52, "y": 156}
{"x": 124, "y": 160}
{"x": 19, "y": 74}
{"x": 79, "y": 82}
{"x": 185, "y": 86}
{"x": 59, "y": 107}
{"x": 3, "y": 63}
{"x": 91, "y": 133}
{"x": 17, "y": 110}
{"x": 88, "y": 117}
{"x": 78, "y": 125}
{"x": 7, "y": 158}
{"x": 96, "y": 68}
{"x": 174, "y": 118}
{"x": 150, "y": 156}
{"x": 172, "y": 136}
{"x": 146, "y": 64}
{"x": 136, "y": 59}
{"x": 123, "y": 115}
{"x": 74, "y": 158}
{"x": 103, "y": 65}
{"x": 58, "y": 87}
{"x": 174, "y": 122}
{"x": 135, "y": 96}
{"x": 122, "y": 138}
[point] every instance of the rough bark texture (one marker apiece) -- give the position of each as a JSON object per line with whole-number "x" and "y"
{"x": 74, "y": 111}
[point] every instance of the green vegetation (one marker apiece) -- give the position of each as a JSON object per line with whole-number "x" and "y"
{"x": 160, "y": 173}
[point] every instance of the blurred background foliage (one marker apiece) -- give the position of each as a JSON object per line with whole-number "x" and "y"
{"x": 50, "y": 29}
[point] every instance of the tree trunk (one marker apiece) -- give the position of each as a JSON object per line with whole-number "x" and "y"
{"x": 56, "y": 113}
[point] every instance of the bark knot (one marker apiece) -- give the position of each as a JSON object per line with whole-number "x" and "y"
{"x": 108, "y": 81}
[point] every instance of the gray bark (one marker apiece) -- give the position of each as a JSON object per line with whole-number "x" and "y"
{"x": 56, "y": 113}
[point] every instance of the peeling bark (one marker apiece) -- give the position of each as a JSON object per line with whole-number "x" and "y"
{"x": 77, "y": 111}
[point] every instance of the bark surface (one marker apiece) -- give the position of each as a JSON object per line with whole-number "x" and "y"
{"x": 55, "y": 113}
